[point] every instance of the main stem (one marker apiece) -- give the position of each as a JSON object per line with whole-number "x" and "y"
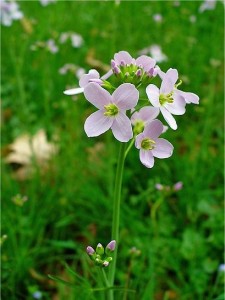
{"x": 116, "y": 208}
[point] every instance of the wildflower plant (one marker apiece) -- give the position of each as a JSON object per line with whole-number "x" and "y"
{"x": 128, "y": 102}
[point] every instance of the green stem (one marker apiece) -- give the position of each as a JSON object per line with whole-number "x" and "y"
{"x": 116, "y": 210}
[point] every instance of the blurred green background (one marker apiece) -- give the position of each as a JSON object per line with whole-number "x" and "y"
{"x": 55, "y": 205}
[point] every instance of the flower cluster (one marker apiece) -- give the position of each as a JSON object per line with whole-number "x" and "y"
{"x": 102, "y": 257}
{"x": 129, "y": 116}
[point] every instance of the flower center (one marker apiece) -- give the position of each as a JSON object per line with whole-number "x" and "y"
{"x": 163, "y": 99}
{"x": 111, "y": 110}
{"x": 147, "y": 144}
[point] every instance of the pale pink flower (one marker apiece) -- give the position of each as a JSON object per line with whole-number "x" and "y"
{"x": 157, "y": 18}
{"x": 142, "y": 117}
{"x": 207, "y": 5}
{"x": 112, "y": 110}
{"x": 167, "y": 99}
{"x": 46, "y": 2}
{"x": 51, "y": 46}
{"x": 178, "y": 186}
{"x": 151, "y": 145}
{"x": 9, "y": 11}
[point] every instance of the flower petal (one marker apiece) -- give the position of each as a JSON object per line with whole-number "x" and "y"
{"x": 189, "y": 97}
{"x": 146, "y": 62}
{"x": 178, "y": 105}
{"x": 146, "y": 158}
{"x": 123, "y": 56}
{"x": 125, "y": 96}
{"x": 168, "y": 82}
{"x": 97, "y": 123}
{"x": 148, "y": 113}
{"x": 163, "y": 149}
{"x": 138, "y": 140}
{"x": 121, "y": 128}
{"x": 153, "y": 129}
{"x": 74, "y": 91}
{"x": 153, "y": 94}
{"x": 145, "y": 114}
{"x": 169, "y": 118}
{"x": 96, "y": 95}
{"x": 85, "y": 79}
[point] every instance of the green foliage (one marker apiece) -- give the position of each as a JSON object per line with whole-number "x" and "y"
{"x": 178, "y": 235}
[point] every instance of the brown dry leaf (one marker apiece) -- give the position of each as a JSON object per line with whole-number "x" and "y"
{"x": 93, "y": 62}
{"x": 26, "y": 148}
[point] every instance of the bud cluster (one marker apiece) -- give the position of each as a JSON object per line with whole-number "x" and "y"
{"x": 132, "y": 73}
{"x": 102, "y": 257}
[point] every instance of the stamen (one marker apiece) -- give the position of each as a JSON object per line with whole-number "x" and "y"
{"x": 147, "y": 144}
{"x": 111, "y": 110}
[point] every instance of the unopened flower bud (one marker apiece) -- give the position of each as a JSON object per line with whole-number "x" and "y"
{"x": 116, "y": 70}
{"x": 138, "y": 73}
{"x": 178, "y": 186}
{"x": 113, "y": 64}
{"x": 100, "y": 249}
{"x": 105, "y": 263}
{"x": 122, "y": 63}
{"x": 90, "y": 250}
{"x": 111, "y": 246}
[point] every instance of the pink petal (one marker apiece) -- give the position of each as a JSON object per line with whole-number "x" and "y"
{"x": 97, "y": 123}
{"x": 92, "y": 74}
{"x": 153, "y": 129}
{"x": 160, "y": 72}
{"x": 169, "y": 118}
{"x": 189, "y": 97}
{"x": 125, "y": 96}
{"x": 168, "y": 82}
{"x": 96, "y": 95}
{"x": 123, "y": 56}
{"x": 153, "y": 95}
{"x": 121, "y": 128}
{"x": 148, "y": 113}
{"x": 146, "y": 158}
{"x": 74, "y": 91}
{"x": 163, "y": 149}
{"x": 178, "y": 105}
{"x": 138, "y": 140}
{"x": 146, "y": 62}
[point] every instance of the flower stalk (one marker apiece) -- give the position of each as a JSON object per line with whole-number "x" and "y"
{"x": 116, "y": 208}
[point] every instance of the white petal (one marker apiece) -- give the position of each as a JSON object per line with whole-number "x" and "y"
{"x": 168, "y": 82}
{"x": 189, "y": 97}
{"x": 121, "y": 128}
{"x": 97, "y": 123}
{"x": 96, "y": 95}
{"x": 146, "y": 62}
{"x": 85, "y": 79}
{"x": 169, "y": 118}
{"x": 146, "y": 158}
{"x": 163, "y": 149}
{"x": 122, "y": 56}
{"x": 153, "y": 94}
{"x": 74, "y": 91}
{"x": 125, "y": 96}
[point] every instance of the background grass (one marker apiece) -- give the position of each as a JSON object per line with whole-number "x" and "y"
{"x": 179, "y": 235}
